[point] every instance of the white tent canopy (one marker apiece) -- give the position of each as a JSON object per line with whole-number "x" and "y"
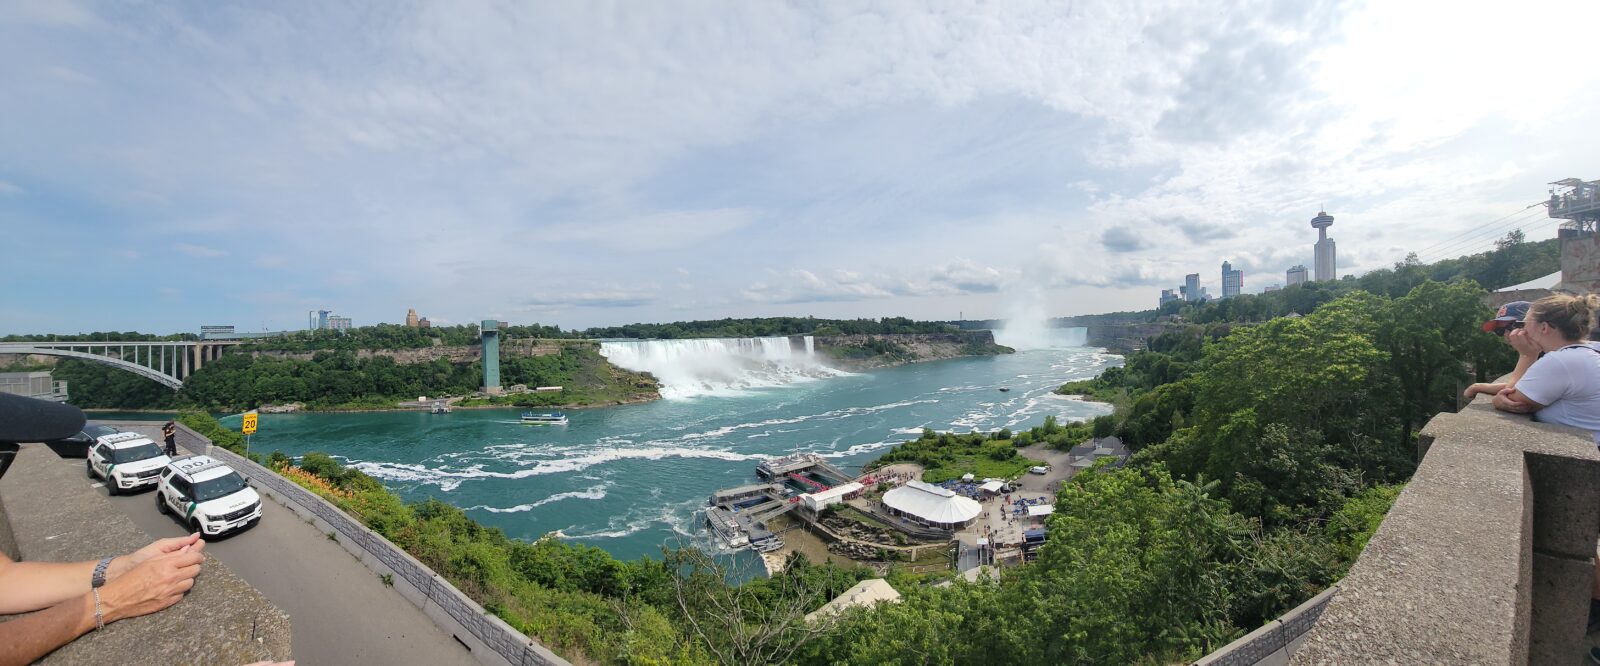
{"x": 932, "y": 504}
{"x": 991, "y": 487}
{"x": 1550, "y": 281}
{"x": 1040, "y": 510}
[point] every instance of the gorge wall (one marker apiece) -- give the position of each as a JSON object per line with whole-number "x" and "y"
{"x": 864, "y": 352}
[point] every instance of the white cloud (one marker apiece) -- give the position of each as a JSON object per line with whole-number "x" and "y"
{"x": 466, "y": 154}
{"x": 958, "y": 277}
{"x": 645, "y": 233}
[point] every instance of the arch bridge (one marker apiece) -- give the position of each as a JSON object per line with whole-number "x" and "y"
{"x": 166, "y": 361}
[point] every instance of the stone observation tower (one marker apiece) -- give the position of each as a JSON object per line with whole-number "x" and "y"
{"x": 1578, "y": 202}
{"x": 1326, "y": 266}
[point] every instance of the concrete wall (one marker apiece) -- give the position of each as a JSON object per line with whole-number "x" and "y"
{"x": 1486, "y": 557}
{"x": 1273, "y": 643}
{"x": 490, "y": 639}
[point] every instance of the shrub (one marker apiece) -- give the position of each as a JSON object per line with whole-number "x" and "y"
{"x": 323, "y": 465}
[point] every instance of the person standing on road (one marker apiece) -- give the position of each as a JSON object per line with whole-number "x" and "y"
{"x": 170, "y": 433}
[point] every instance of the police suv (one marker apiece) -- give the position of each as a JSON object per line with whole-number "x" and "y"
{"x": 126, "y": 460}
{"x": 207, "y": 495}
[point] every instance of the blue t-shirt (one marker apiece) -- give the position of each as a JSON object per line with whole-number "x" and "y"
{"x": 1567, "y": 382}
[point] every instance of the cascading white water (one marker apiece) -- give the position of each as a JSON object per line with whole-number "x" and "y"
{"x": 713, "y": 366}
{"x": 1024, "y": 336}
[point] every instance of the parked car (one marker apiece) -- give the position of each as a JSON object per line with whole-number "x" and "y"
{"x": 77, "y": 446}
{"x": 126, "y": 460}
{"x": 207, "y": 495}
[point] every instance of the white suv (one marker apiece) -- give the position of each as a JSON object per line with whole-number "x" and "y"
{"x": 210, "y": 497}
{"x": 126, "y": 460}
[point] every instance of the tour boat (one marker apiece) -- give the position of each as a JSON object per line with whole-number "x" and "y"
{"x": 767, "y": 546}
{"x": 556, "y": 418}
{"x": 726, "y": 528}
{"x": 441, "y": 407}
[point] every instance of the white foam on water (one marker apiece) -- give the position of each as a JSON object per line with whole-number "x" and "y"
{"x": 677, "y": 517}
{"x": 448, "y": 479}
{"x": 596, "y": 492}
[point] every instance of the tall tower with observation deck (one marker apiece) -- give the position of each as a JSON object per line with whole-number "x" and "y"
{"x": 1326, "y": 265}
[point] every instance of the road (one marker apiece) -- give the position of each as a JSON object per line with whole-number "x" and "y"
{"x": 341, "y": 613}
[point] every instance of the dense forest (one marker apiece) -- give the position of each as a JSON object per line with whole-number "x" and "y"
{"x": 342, "y": 380}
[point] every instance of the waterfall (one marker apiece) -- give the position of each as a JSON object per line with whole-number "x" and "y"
{"x": 1022, "y": 337}
{"x": 718, "y": 366}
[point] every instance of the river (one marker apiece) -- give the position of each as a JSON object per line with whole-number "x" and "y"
{"x": 629, "y": 479}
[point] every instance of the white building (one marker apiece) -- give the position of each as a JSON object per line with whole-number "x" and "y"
{"x": 1297, "y": 274}
{"x": 931, "y": 505}
{"x": 1191, "y": 287}
{"x": 815, "y": 502}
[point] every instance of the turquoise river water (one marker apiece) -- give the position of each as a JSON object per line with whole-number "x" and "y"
{"x": 629, "y": 479}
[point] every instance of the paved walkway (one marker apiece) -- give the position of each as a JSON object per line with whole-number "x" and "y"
{"x": 340, "y": 612}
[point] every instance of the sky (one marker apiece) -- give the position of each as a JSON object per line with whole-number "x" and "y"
{"x": 169, "y": 165}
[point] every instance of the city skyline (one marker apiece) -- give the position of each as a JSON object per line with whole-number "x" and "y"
{"x": 562, "y": 165}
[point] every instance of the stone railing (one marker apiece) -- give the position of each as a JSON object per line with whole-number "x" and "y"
{"x": 1274, "y": 641}
{"x": 489, "y": 638}
{"x": 1487, "y": 557}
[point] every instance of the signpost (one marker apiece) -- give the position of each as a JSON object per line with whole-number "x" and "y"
{"x": 248, "y": 427}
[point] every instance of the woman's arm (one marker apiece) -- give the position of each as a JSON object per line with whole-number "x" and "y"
{"x": 1483, "y": 389}
{"x": 30, "y": 586}
{"x": 1527, "y": 353}
{"x": 1512, "y": 400}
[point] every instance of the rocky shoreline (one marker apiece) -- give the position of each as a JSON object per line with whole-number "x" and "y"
{"x": 870, "y": 352}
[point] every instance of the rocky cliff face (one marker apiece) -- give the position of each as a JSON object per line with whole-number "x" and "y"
{"x": 1124, "y": 338}
{"x": 453, "y": 354}
{"x": 864, "y": 352}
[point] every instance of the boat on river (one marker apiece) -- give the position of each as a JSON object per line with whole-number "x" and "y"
{"x": 441, "y": 407}
{"x": 726, "y": 527}
{"x": 551, "y": 418}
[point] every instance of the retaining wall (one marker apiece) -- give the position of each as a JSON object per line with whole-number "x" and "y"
{"x": 489, "y": 638}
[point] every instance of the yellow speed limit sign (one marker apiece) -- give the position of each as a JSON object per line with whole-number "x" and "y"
{"x": 249, "y": 427}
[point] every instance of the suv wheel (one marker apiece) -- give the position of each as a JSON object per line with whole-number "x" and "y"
{"x": 88, "y": 469}
{"x": 111, "y": 485}
{"x": 194, "y": 525}
{"x": 161, "y": 504}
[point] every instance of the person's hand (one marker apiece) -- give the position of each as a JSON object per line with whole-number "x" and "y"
{"x": 154, "y": 584}
{"x": 1478, "y": 388}
{"x": 122, "y": 564}
{"x": 1524, "y": 345}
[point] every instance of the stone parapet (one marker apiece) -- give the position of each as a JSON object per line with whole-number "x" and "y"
{"x": 1486, "y": 557}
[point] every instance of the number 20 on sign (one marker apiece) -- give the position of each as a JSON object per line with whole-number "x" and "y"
{"x": 249, "y": 427}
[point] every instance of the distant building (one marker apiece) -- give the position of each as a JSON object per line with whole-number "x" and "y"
{"x": 39, "y": 385}
{"x": 1170, "y": 295}
{"x": 328, "y": 320}
{"x": 1325, "y": 264}
{"x": 215, "y": 331}
{"x": 424, "y": 323}
{"x": 1296, "y": 275}
{"x": 411, "y": 317}
{"x": 1232, "y": 281}
{"x": 1270, "y": 288}
{"x": 1191, "y": 287}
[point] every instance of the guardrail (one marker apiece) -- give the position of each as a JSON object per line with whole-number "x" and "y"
{"x": 489, "y": 638}
{"x": 1275, "y": 641}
